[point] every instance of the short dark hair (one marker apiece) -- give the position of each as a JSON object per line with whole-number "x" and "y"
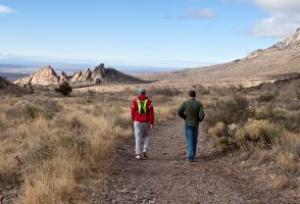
{"x": 192, "y": 93}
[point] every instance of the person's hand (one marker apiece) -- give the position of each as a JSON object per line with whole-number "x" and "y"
{"x": 151, "y": 126}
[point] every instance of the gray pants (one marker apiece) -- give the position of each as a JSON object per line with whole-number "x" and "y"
{"x": 142, "y": 138}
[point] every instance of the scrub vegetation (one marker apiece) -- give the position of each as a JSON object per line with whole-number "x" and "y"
{"x": 264, "y": 123}
{"x": 57, "y": 149}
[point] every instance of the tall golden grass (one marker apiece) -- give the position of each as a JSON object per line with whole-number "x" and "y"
{"x": 58, "y": 150}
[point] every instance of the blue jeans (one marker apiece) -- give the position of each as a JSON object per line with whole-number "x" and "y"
{"x": 191, "y": 134}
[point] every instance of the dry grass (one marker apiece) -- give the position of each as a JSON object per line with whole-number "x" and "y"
{"x": 287, "y": 161}
{"x": 279, "y": 182}
{"x": 58, "y": 150}
{"x": 262, "y": 123}
{"x": 255, "y": 133}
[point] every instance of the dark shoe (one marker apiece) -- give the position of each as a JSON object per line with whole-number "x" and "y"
{"x": 145, "y": 154}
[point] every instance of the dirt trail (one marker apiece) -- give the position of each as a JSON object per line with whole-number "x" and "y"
{"x": 166, "y": 177}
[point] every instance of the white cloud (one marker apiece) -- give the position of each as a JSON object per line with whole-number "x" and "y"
{"x": 5, "y": 9}
{"x": 283, "y": 18}
{"x": 198, "y": 14}
{"x": 279, "y": 5}
{"x": 277, "y": 25}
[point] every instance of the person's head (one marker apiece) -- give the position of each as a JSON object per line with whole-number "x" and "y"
{"x": 142, "y": 91}
{"x": 192, "y": 93}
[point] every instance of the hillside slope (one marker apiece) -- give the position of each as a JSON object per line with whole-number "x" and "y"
{"x": 6, "y": 87}
{"x": 282, "y": 58}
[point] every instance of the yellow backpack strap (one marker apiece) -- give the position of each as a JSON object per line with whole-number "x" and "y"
{"x": 139, "y": 105}
{"x": 145, "y": 106}
{"x": 140, "y": 108}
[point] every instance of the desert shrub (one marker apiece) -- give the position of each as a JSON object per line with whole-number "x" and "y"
{"x": 235, "y": 110}
{"x": 164, "y": 91}
{"x": 75, "y": 123}
{"x": 10, "y": 178}
{"x": 257, "y": 133}
{"x": 15, "y": 112}
{"x": 297, "y": 91}
{"x": 290, "y": 142}
{"x": 267, "y": 97}
{"x": 122, "y": 122}
{"x": 30, "y": 112}
{"x": 201, "y": 90}
{"x": 49, "y": 108}
{"x": 97, "y": 110}
{"x": 91, "y": 93}
{"x": 290, "y": 120}
{"x": 42, "y": 150}
{"x": 270, "y": 113}
{"x": 288, "y": 162}
{"x": 63, "y": 159}
{"x": 222, "y": 139}
{"x": 2, "y": 122}
{"x": 279, "y": 182}
{"x": 65, "y": 89}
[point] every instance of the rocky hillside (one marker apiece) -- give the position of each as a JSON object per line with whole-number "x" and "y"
{"x": 290, "y": 42}
{"x": 48, "y": 76}
{"x": 261, "y": 65}
{"x": 6, "y": 87}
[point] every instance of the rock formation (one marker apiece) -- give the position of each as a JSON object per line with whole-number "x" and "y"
{"x": 291, "y": 41}
{"x": 76, "y": 76}
{"x": 254, "y": 54}
{"x": 86, "y": 76}
{"x": 63, "y": 77}
{"x": 47, "y": 76}
{"x": 99, "y": 72}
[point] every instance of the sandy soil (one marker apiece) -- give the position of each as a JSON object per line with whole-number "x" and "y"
{"x": 166, "y": 177}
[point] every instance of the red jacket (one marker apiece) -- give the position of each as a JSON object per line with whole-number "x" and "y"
{"x": 136, "y": 116}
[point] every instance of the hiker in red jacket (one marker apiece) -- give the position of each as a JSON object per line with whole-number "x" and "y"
{"x": 142, "y": 115}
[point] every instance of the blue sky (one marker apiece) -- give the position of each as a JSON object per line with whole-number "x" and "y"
{"x": 171, "y": 33}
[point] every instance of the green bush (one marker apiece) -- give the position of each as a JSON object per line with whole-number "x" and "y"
{"x": 65, "y": 89}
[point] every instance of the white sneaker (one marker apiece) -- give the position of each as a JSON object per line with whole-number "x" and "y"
{"x": 138, "y": 157}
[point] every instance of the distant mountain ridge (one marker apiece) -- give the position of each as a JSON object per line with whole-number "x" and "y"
{"x": 48, "y": 76}
{"x": 12, "y": 76}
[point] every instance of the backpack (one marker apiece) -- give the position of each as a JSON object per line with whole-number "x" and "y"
{"x": 142, "y": 106}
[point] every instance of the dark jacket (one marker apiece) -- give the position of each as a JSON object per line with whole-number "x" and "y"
{"x": 192, "y": 112}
